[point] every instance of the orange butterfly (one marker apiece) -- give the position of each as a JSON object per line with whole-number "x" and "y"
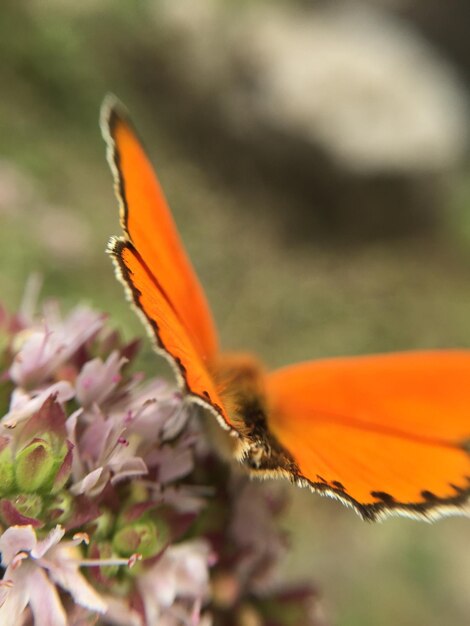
{"x": 384, "y": 434}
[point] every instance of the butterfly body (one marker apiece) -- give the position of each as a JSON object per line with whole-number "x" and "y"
{"x": 384, "y": 434}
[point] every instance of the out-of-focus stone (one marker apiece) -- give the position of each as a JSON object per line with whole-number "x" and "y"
{"x": 358, "y": 83}
{"x": 445, "y": 24}
{"x": 342, "y": 105}
{"x": 362, "y": 87}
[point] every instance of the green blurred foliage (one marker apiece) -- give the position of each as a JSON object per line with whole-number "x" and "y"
{"x": 288, "y": 301}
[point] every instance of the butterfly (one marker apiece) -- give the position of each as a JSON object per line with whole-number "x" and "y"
{"x": 384, "y": 434}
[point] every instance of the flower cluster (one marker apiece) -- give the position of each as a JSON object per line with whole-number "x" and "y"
{"x": 113, "y": 507}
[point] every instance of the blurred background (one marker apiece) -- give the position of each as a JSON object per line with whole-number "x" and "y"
{"x": 316, "y": 157}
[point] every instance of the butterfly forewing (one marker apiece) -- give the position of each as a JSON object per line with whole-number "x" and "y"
{"x": 153, "y": 265}
{"x": 167, "y": 329}
{"x": 148, "y": 224}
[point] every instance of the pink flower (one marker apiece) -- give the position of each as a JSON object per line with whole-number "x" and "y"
{"x": 172, "y": 591}
{"x": 126, "y": 439}
{"x": 98, "y": 380}
{"x": 23, "y": 404}
{"x": 87, "y": 444}
{"x": 252, "y": 529}
{"x": 154, "y": 410}
{"x": 42, "y": 349}
{"x": 34, "y": 568}
{"x": 104, "y": 454}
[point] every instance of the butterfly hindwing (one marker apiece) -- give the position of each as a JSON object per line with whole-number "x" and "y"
{"x": 385, "y": 434}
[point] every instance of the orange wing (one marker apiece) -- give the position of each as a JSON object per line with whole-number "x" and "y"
{"x": 160, "y": 316}
{"x": 147, "y": 223}
{"x": 384, "y": 434}
{"x": 153, "y": 266}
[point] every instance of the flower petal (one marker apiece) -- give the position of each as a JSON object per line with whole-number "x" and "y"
{"x": 23, "y": 405}
{"x": 173, "y": 463}
{"x": 16, "y": 539}
{"x": 88, "y": 483}
{"x": 120, "y": 614}
{"x": 44, "y": 601}
{"x": 48, "y": 542}
{"x": 63, "y": 566}
{"x": 45, "y": 348}
{"x": 98, "y": 380}
{"x": 181, "y": 572}
{"x": 16, "y": 597}
{"x": 129, "y": 468}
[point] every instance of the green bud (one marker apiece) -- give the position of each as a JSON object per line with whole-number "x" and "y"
{"x": 147, "y": 537}
{"x": 35, "y": 466}
{"x": 7, "y": 471}
{"x": 62, "y": 505}
{"x": 29, "y": 505}
{"x": 138, "y": 493}
{"x": 62, "y": 469}
{"x": 58, "y": 445}
{"x": 103, "y": 525}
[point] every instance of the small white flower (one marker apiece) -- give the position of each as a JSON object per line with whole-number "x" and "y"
{"x": 182, "y": 573}
{"x": 173, "y": 591}
{"x": 44, "y": 348}
{"x": 105, "y": 455}
{"x": 34, "y": 568}
{"x": 98, "y": 380}
{"x": 23, "y": 404}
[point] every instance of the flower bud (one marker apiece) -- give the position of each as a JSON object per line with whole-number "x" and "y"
{"x": 103, "y": 525}
{"x": 61, "y": 507}
{"x": 35, "y": 466}
{"x": 7, "y": 471}
{"x": 30, "y": 505}
{"x": 138, "y": 493}
{"x": 63, "y": 469}
{"x": 146, "y": 537}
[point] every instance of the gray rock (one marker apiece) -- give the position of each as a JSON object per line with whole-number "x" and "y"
{"x": 341, "y": 105}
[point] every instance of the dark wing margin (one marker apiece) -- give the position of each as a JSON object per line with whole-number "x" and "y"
{"x": 165, "y": 329}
